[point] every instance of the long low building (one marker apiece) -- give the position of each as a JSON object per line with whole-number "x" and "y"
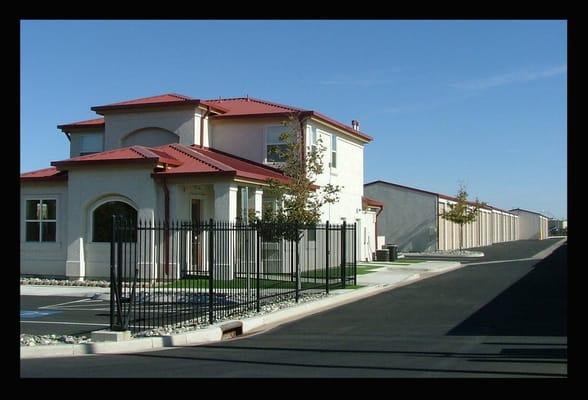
{"x": 411, "y": 219}
{"x": 532, "y": 224}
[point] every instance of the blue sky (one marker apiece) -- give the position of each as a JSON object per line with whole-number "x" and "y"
{"x": 482, "y": 103}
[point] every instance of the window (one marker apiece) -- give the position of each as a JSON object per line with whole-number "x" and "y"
{"x": 102, "y": 220}
{"x": 333, "y": 151}
{"x": 91, "y": 143}
{"x": 312, "y": 138}
{"x": 41, "y": 220}
{"x": 275, "y": 146}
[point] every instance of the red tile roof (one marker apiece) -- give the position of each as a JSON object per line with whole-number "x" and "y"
{"x": 126, "y": 154}
{"x": 226, "y": 108}
{"x": 182, "y": 160}
{"x": 83, "y": 124}
{"x": 164, "y": 99}
{"x": 46, "y": 174}
{"x": 248, "y": 106}
{"x": 366, "y": 201}
{"x": 196, "y": 161}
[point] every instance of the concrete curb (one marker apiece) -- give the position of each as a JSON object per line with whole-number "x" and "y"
{"x": 215, "y": 333}
{"x": 544, "y": 253}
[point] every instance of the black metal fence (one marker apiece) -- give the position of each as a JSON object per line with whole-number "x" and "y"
{"x": 198, "y": 272}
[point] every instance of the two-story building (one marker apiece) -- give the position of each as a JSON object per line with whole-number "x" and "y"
{"x": 172, "y": 157}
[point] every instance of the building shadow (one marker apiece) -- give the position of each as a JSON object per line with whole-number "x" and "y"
{"x": 536, "y": 305}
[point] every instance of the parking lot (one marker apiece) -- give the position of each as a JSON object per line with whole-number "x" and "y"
{"x": 44, "y": 315}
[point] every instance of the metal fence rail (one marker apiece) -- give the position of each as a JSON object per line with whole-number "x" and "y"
{"x": 197, "y": 272}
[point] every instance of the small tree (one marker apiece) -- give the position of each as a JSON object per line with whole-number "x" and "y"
{"x": 299, "y": 200}
{"x": 462, "y": 212}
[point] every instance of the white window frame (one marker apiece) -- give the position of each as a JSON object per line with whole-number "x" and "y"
{"x": 40, "y": 199}
{"x": 88, "y": 135}
{"x": 267, "y": 143}
{"x": 333, "y": 148}
{"x": 312, "y": 135}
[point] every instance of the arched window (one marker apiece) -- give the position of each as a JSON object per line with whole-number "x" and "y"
{"x": 102, "y": 220}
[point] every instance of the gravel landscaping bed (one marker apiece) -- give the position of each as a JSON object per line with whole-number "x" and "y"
{"x": 40, "y": 340}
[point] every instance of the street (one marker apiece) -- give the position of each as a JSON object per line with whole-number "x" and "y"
{"x": 498, "y": 320}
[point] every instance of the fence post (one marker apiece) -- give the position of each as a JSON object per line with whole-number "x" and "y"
{"x": 327, "y": 255}
{"x": 355, "y": 253}
{"x": 343, "y": 253}
{"x": 211, "y": 272}
{"x": 257, "y": 291}
{"x": 297, "y": 264}
{"x": 119, "y": 275}
{"x": 112, "y": 283}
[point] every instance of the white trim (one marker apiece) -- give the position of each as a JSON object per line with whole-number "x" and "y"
{"x": 43, "y": 197}
{"x": 100, "y": 202}
{"x": 265, "y": 144}
{"x": 333, "y": 139}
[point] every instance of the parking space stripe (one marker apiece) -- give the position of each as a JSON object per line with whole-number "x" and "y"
{"x": 62, "y": 323}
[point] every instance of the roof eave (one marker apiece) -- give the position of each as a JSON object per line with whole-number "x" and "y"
{"x": 67, "y": 163}
{"x": 101, "y": 109}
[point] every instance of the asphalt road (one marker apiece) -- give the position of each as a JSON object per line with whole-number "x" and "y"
{"x": 501, "y": 251}
{"x": 505, "y": 320}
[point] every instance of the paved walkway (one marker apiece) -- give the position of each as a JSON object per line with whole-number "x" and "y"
{"x": 390, "y": 273}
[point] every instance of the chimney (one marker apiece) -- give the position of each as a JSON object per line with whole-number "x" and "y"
{"x": 355, "y": 125}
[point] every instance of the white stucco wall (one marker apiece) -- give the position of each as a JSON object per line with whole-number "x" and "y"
{"x": 247, "y": 138}
{"x": 244, "y": 137}
{"x": 44, "y": 258}
{"x": 179, "y": 121}
{"x": 348, "y": 174}
{"x": 88, "y": 188}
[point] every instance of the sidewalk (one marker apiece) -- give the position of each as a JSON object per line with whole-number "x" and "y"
{"x": 391, "y": 274}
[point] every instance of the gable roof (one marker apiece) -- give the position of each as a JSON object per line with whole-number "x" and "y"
{"x": 527, "y": 211}
{"x": 439, "y": 195}
{"x": 180, "y": 160}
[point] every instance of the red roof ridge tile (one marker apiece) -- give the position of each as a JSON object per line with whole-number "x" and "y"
{"x": 140, "y": 99}
{"x": 190, "y": 152}
{"x": 144, "y": 151}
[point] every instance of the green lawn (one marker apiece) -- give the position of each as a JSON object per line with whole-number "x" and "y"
{"x": 240, "y": 283}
